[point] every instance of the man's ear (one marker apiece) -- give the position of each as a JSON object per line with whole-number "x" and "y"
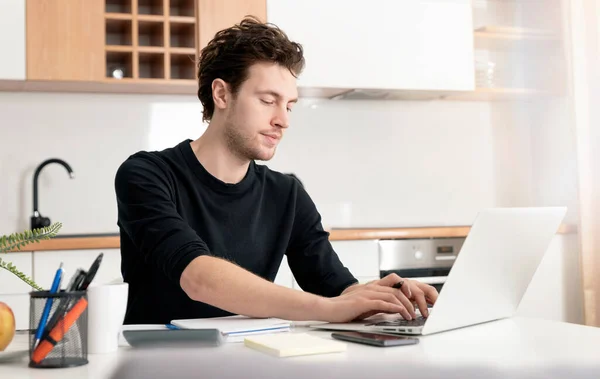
{"x": 220, "y": 93}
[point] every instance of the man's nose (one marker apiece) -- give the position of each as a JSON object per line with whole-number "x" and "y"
{"x": 282, "y": 118}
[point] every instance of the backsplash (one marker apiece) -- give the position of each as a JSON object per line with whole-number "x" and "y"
{"x": 365, "y": 163}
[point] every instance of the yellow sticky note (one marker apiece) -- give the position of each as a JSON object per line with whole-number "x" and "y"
{"x": 293, "y": 344}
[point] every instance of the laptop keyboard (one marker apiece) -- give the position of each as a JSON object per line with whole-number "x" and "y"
{"x": 419, "y": 321}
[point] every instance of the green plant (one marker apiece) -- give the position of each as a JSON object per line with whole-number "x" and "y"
{"x": 19, "y": 240}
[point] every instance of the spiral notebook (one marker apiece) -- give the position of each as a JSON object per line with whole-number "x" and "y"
{"x": 235, "y": 328}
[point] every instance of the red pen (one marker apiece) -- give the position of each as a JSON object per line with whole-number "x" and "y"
{"x": 58, "y": 332}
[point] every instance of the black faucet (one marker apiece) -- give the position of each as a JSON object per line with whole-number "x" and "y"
{"x": 37, "y": 220}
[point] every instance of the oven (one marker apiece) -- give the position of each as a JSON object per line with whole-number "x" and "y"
{"x": 426, "y": 260}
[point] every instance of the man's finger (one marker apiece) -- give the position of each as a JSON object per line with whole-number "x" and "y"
{"x": 406, "y": 288}
{"x": 431, "y": 293}
{"x": 391, "y": 298}
{"x": 389, "y": 280}
{"x": 422, "y": 303}
{"x": 395, "y": 281}
{"x": 400, "y": 296}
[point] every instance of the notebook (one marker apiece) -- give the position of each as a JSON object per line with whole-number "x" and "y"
{"x": 293, "y": 344}
{"x": 235, "y": 328}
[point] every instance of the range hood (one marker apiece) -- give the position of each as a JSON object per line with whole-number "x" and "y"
{"x": 375, "y": 94}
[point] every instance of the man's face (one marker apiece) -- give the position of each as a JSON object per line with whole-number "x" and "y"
{"x": 259, "y": 113}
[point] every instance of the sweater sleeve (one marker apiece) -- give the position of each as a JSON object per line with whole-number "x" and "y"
{"x": 314, "y": 263}
{"x": 147, "y": 213}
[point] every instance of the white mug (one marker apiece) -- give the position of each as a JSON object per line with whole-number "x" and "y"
{"x": 107, "y": 304}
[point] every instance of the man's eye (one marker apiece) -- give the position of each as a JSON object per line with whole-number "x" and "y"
{"x": 268, "y": 102}
{"x": 289, "y": 109}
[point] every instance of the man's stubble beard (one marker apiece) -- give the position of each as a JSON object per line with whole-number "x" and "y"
{"x": 241, "y": 145}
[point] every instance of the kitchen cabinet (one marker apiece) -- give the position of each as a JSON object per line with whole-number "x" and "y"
{"x": 215, "y": 15}
{"x": 65, "y": 40}
{"x": 116, "y": 45}
{"x": 45, "y": 264}
{"x": 361, "y": 257}
{"x": 381, "y": 44}
{"x": 12, "y": 39}
{"x": 19, "y": 304}
{"x": 9, "y": 283}
{"x": 13, "y": 291}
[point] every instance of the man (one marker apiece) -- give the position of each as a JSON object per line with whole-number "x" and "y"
{"x": 204, "y": 228}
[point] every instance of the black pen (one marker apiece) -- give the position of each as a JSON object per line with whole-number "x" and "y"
{"x": 91, "y": 273}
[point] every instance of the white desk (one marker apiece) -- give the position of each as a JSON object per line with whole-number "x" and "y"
{"x": 513, "y": 348}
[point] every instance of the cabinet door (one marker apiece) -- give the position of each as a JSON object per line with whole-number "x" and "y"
{"x": 381, "y": 44}
{"x": 12, "y": 39}
{"x": 360, "y": 257}
{"x": 214, "y": 15}
{"x": 65, "y": 40}
{"x": 19, "y": 304}
{"x": 9, "y": 283}
{"x": 45, "y": 264}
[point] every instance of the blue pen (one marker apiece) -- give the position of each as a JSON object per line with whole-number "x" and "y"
{"x": 48, "y": 307}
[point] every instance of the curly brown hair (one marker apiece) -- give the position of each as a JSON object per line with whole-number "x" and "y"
{"x": 233, "y": 50}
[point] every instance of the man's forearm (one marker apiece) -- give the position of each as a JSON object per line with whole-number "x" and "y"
{"x": 224, "y": 285}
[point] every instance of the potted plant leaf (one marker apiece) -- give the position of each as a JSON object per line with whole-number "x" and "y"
{"x": 12, "y": 242}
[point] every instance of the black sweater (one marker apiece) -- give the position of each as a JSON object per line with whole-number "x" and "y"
{"x": 171, "y": 210}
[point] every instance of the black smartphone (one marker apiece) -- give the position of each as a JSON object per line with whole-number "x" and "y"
{"x": 381, "y": 340}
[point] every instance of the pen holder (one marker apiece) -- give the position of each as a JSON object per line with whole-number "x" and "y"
{"x": 63, "y": 342}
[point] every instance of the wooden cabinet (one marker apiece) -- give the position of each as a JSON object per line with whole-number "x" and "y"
{"x": 114, "y": 44}
{"x": 382, "y": 44}
{"x": 360, "y": 257}
{"x": 215, "y": 15}
{"x": 45, "y": 264}
{"x": 12, "y": 39}
{"x": 65, "y": 40}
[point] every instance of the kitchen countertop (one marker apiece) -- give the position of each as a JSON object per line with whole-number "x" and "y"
{"x": 510, "y": 348}
{"x": 111, "y": 240}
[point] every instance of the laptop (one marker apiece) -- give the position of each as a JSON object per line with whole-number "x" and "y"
{"x": 489, "y": 277}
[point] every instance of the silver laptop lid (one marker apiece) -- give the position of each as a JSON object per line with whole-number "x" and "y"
{"x": 495, "y": 266}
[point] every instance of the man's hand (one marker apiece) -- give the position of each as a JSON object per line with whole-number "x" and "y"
{"x": 361, "y": 303}
{"x": 410, "y": 292}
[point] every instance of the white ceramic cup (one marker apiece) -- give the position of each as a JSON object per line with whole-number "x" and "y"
{"x": 107, "y": 304}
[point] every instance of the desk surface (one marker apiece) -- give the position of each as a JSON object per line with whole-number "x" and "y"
{"x": 515, "y": 348}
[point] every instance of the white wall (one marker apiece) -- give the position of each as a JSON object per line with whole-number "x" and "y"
{"x": 555, "y": 292}
{"x": 365, "y": 163}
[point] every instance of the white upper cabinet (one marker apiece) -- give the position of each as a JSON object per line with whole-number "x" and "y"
{"x": 12, "y": 39}
{"x": 381, "y": 44}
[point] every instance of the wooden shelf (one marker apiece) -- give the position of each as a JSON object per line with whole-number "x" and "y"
{"x": 507, "y": 38}
{"x": 118, "y": 16}
{"x": 182, "y": 19}
{"x": 119, "y": 48}
{"x": 150, "y": 18}
{"x": 501, "y": 94}
{"x": 152, "y": 49}
{"x": 182, "y": 51}
{"x": 109, "y": 85}
{"x": 151, "y": 41}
